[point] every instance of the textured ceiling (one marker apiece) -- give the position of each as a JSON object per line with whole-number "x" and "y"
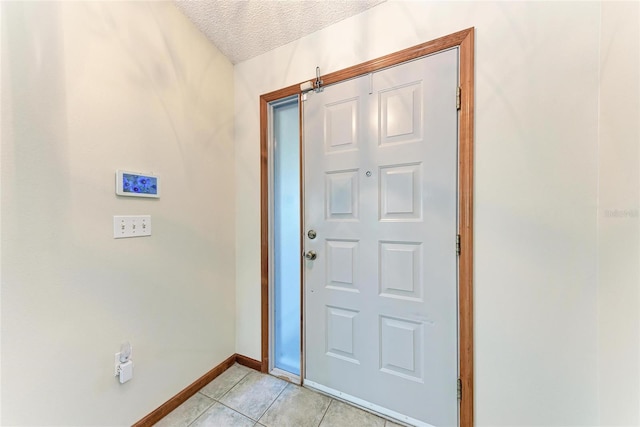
{"x": 242, "y": 29}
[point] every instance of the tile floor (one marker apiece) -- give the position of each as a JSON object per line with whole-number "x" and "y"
{"x": 245, "y": 398}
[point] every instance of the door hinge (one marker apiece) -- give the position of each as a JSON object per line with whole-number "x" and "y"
{"x": 458, "y": 246}
{"x": 304, "y": 97}
{"x": 458, "y": 97}
{"x": 459, "y": 389}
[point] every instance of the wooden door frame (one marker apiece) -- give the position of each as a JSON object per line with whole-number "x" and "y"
{"x": 464, "y": 40}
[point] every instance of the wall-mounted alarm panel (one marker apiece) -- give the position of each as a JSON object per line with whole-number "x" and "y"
{"x": 137, "y": 184}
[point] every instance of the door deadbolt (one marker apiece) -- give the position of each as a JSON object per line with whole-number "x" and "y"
{"x": 311, "y": 255}
{"x": 311, "y": 234}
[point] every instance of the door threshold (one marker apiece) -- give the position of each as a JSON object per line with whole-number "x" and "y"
{"x": 287, "y": 376}
{"x": 367, "y": 406}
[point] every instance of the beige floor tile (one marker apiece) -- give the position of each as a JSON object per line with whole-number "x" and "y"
{"x": 296, "y": 407}
{"x": 342, "y": 415}
{"x": 220, "y": 416}
{"x": 184, "y": 414}
{"x": 223, "y": 383}
{"x": 253, "y": 394}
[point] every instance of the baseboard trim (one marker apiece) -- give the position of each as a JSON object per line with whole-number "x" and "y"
{"x": 192, "y": 389}
{"x": 249, "y": 362}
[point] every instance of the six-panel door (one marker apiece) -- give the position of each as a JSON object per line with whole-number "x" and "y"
{"x": 381, "y": 194}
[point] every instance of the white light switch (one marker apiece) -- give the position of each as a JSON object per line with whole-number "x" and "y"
{"x": 131, "y": 226}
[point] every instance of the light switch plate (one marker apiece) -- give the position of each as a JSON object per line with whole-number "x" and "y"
{"x": 131, "y": 226}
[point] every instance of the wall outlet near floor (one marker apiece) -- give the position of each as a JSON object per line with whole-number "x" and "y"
{"x": 117, "y": 365}
{"x": 122, "y": 356}
{"x": 123, "y": 365}
{"x": 126, "y": 371}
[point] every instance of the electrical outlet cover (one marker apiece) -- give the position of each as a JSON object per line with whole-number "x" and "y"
{"x": 117, "y": 365}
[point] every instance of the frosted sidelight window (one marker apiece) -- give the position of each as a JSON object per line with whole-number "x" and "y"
{"x": 286, "y": 234}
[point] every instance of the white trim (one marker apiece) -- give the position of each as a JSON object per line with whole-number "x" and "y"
{"x": 270, "y": 191}
{"x": 303, "y": 225}
{"x": 271, "y": 106}
{"x": 287, "y": 376}
{"x": 365, "y": 405}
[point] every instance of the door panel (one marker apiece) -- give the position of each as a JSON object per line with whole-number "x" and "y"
{"x": 381, "y": 193}
{"x": 286, "y": 236}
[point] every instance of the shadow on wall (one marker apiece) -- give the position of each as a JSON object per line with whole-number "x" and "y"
{"x": 34, "y": 137}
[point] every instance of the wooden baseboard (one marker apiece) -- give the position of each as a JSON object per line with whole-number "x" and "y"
{"x": 192, "y": 389}
{"x": 249, "y": 362}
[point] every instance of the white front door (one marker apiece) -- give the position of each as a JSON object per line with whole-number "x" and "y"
{"x": 381, "y": 195}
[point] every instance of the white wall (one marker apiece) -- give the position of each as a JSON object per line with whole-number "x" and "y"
{"x": 537, "y": 182}
{"x": 88, "y": 87}
{"x": 618, "y": 215}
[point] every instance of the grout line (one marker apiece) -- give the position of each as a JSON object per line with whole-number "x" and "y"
{"x": 238, "y": 412}
{"x": 251, "y": 391}
{"x": 203, "y": 412}
{"x": 216, "y": 400}
{"x": 274, "y": 400}
{"x": 325, "y": 411}
{"x": 232, "y": 387}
